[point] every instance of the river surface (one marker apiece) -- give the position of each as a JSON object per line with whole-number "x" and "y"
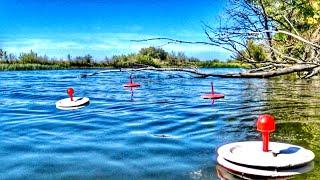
{"x": 164, "y": 130}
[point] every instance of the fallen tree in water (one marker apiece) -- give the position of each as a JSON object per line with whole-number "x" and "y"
{"x": 275, "y": 37}
{"x": 254, "y": 73}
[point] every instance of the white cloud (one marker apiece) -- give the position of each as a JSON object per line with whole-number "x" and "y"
{"x": 39, "y": 44}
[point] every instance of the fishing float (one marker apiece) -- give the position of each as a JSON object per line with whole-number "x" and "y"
{"x": 72, "y": 102}
{"x": 265, "y": 159}
{"x": 212, "y": 95}
{"x": 131, "y": 84}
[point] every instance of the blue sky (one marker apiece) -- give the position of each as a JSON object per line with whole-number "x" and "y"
{"x": 105, "y": 27}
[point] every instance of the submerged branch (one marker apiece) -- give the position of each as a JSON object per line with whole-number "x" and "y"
{"x": 249, "y": 74}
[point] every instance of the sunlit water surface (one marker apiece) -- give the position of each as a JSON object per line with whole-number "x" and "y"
{"x": 164, "y": 131}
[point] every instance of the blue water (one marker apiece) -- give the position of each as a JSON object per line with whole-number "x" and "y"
{"x": 165, "y": 131}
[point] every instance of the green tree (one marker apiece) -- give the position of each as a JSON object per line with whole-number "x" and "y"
{"x": 253, "y": 51}
{"x": 1, "y": 54}
{"x": 88, "y": 59}
{"x": 30, "y": 57}
{"x": 156, "y": 53}
{"x": 69, "y": 57}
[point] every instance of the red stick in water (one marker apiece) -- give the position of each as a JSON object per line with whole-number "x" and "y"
{"x": 212, "y": 88}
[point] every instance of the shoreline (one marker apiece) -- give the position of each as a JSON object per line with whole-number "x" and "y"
{"x": 30, "y": 67}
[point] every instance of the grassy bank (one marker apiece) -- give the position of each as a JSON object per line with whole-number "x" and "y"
{"x": 219, "y": 64}
{"x": 36, "y": 66}
{"x": 13, "y": 67}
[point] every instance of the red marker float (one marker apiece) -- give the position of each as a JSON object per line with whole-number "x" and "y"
{"x": 131, "y": 84}
{"x": 265, "y": 159}
{"x": 265, "y": 125}
{"x": 72, "y": 103}
{"x": 212, "y": 95}
{"x": 70, "y": 92}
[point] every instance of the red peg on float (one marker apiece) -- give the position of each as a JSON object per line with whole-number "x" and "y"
{"x": 212, "y": 95}
{"x": 70, "y": 92}
{"x": 266, "y": 124}
{"x": 131, "y": 84}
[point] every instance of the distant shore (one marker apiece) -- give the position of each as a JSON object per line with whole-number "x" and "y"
{"x": 38, "y": 66}
{"x": 151, "y": 56}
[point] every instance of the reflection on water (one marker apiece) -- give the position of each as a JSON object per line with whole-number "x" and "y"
{"x": 165, "y": 131}
{"x": 232, "y": 174}
{"x": 296, "y": 104}
{"x": 225, "y": 174}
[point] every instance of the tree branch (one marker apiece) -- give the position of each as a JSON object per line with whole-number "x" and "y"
{"x": 248, "y": 74}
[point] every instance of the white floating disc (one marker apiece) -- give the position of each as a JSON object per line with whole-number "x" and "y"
{"x": 280, "y": 155}
{"x": 248, "y": 171}
{"x": 77, "y": 103}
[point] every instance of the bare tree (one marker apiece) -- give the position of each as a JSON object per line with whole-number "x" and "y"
{"x": 275, "y": 37}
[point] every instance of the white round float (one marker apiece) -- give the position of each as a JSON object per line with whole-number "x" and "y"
{"x": 248, "y": 172}
{"x": 72, "y": 103}
{"x": 281, "y": 159}
{"x": 77, "y": 103}
{"x": 256, "y": 158}
{"x": 280, "y": 155}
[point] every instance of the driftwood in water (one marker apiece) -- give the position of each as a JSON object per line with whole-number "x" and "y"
{"x": 311, "y": 69}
